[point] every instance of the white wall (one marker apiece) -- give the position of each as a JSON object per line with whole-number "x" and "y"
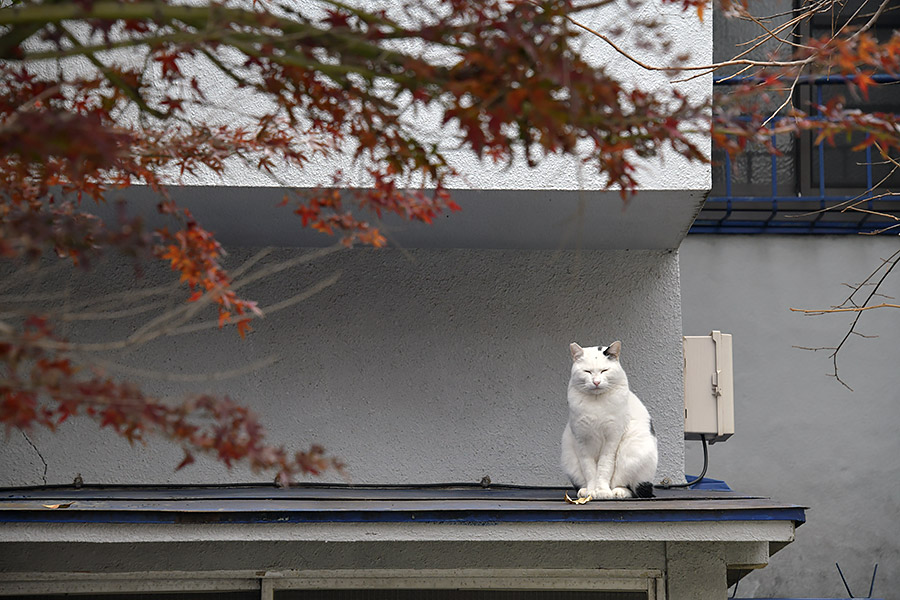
{"x": 800, "y": 436}
{"x": 417, "y": 366}
{"x": 684, "y": 31}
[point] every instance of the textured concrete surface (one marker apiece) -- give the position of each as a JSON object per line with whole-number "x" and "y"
{"x": 492, "y": 219}
{"x": 800, "y": 436}
{"x": 416, "y": 366}
{"x": 694, "y": 571}
{"x": 287, "y": 554}
{"x": 669, "y": 172}
{"x": 708, "y": 533}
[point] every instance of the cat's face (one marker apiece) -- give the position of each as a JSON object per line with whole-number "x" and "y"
{"x": 596, "y": 369}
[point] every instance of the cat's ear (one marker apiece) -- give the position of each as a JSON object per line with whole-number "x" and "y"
{"x": 577, "y": 351}
{"x": 613, "y": 350}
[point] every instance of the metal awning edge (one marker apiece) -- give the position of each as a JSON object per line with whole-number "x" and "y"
{"x": 795, "y": 514}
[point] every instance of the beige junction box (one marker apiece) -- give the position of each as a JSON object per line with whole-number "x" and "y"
{"x": 708, "y": 387}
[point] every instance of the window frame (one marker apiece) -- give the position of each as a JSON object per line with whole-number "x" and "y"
{"x": 268, "y": 583}
{"x": 815, "y": 184}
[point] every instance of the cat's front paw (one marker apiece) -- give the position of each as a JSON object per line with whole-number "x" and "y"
{"x": 599, "y": 493}
{"x": 584, "y": 492}
{"x": 621, "y": 492}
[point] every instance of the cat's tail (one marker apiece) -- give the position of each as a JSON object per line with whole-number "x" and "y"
{"x": 643, "y": 490}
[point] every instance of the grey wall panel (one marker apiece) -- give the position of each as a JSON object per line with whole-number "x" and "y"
{"x": 799, "y": 435}
{"x": 416, "y": 366}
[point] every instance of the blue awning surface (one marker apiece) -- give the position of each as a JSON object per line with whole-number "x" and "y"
{"x": 375, "y": 504}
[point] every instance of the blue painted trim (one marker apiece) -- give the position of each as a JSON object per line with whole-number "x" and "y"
{"x": 708, "y": 226}
{"x": 808, "y": 80}
{"x": 751, "y": 214}
{"x": 478, "y": 517}
{"x": 850, "y": 223}
{"x": 708, "y": 483}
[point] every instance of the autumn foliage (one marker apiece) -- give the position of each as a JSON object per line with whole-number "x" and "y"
{"x": 101, "y": 95}
{"x": 761, "y": 102}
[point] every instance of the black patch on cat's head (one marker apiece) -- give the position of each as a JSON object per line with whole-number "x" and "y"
{"x": 612, "y": 351}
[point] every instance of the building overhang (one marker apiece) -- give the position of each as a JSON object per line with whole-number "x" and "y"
{"x": 490, "y": 219}
{"x": 684, "y": 513}
{"x": 337, "y": 532}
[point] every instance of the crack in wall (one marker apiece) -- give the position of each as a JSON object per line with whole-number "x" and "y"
{"x": 41, "y": 456}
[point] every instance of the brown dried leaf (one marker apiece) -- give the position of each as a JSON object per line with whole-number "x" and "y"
{"x": 578, "y": 500}
{"x": 65, "y": 505}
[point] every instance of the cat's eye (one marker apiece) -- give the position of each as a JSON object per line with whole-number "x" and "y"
{"x": 603, "y": 371}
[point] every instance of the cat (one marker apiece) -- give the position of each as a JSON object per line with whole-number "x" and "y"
{"x": 609, "y": 445}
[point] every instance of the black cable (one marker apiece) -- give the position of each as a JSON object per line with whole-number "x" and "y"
{"x": 484, "y": 483}
{"x": 872, "y": 585}
{"x": 846, "y": 586}
{"x": 702, "y": 473}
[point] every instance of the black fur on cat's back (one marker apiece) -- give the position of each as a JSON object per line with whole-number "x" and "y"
{"x": 643, "y": 490}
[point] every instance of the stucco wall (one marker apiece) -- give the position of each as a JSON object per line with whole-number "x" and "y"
{"x": 800, "y": 436}
{"x": 685, "y": 33}
{"x": 416, "y": 366}
{"x": 420, "y": 365}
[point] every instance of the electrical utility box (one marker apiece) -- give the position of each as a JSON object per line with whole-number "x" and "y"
{"x": 708, "y": 387}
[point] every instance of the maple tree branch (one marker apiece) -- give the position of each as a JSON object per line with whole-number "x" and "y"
{"x": 175, "y": 321}
{"x": 674, "y": 68}
{"x": 114, "y": 300}
{"x": 29, "y": 104}
{"x": 204, "y": 19}
{"x": 871, "y": 22}
{"x": 768, "y": 36}
{"x": 856, "y": 200}
{"x": 113, "y": 77}
{"x": 187, "y": 377}
{"x": 168, "y": 321}
{"x": 858, "y": 309}
{"x": 787, "y": 98}
{"x": 275, "y": 268}
{"x": 771, "y": 34}
{"x": 875, "y": 212}
{"x": 822, "y": 311}
{"x": 882, "y": 230}
{"x": 266, "y": 310}
{"x": 67, "y": 315}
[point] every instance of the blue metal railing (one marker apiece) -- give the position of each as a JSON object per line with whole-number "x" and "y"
{"x": 804, "y": 209}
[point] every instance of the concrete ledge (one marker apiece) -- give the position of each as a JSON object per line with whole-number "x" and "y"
{"x": 490, "y": 219}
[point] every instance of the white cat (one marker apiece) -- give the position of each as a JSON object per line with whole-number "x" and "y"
{"x": 608, "y": 446}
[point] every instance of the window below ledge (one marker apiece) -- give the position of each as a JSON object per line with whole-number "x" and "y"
{"x": 406, "y": 584}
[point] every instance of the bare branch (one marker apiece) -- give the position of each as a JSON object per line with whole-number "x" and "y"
{"x": 822, "y": 311}
{"x": 267, "y": 310}
{"x": 887, "y": 265}
{"x": 187, "y": 377}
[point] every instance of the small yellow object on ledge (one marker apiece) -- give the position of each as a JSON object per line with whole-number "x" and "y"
{"x": 578, "y": 500}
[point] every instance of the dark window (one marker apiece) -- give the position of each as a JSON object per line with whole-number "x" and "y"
{"x": 843, "y": 169}
{"x": 455, "y": 595}
{"x": 248, "y": 595}
{"x": 803, "y": 167}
